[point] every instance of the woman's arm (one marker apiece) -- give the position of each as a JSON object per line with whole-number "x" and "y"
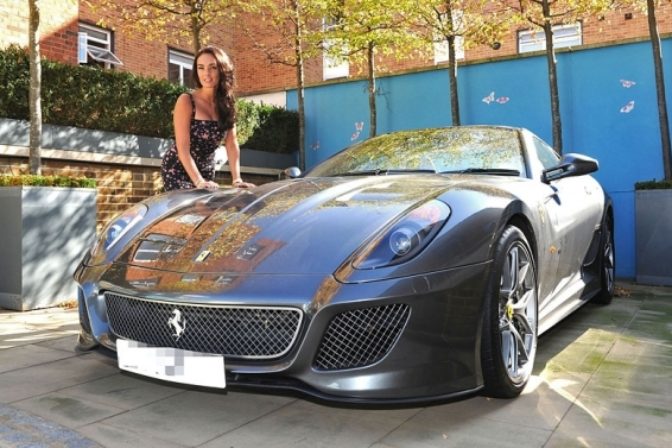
{"x": 182, "y": 125}
{"x": 233, "y": 154}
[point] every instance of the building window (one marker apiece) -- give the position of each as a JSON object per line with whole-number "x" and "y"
{"x": 441, "y": 43}
{"x": 563, "y": 36}
{"x": 333, "y": 66}
{"x": 95, "y": 47}
{"x": 180, "y": 67}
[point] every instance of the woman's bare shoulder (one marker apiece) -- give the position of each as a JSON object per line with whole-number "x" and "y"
{"x": 184, "y": 98}
{"x": 183, "y": 103}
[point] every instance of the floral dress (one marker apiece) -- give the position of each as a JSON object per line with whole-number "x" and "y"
{"x": 205, "y": 137}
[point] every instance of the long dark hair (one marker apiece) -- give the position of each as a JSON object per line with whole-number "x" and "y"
{"x": 224, "y": 99}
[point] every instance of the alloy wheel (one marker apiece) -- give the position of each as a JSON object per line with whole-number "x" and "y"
{"x": 518, "y": 313}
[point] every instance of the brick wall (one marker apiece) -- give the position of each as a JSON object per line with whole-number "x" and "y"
{"x": 119, "y": 186}
{"x": 254, "y": 71}
{"x": 58, "y": 27}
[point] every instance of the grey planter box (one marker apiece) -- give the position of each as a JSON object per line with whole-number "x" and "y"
{"x": 653, "y": 235}
{"x": 44, "y": 232}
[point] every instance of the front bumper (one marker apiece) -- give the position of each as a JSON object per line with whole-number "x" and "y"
{"x": 435, "y": 352}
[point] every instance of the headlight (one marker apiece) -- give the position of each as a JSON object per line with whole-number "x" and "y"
{"x": 117, "y": 228}
{"x": 407, "y": 237}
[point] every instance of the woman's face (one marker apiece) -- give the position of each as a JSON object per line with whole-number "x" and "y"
{"x": 206, "y": 67}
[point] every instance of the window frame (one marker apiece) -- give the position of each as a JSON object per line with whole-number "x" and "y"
{"x": 536, "y": 40}
{"x": 173, "y": 52}
{"x": 332, "y": 67}
{"x": 92, "y": 50}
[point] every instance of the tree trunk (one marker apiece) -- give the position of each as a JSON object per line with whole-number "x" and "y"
{"x": 552, "y": 78}
{"x": 373, "y": 116}
{"x": 300, "y": 85}
{"x": 35, "y": 105}
{"x": 452, "y": 68}
{"x": 660, "y": 90}
{"x": 452, "y": 76}
{"x": 195, "y": 34}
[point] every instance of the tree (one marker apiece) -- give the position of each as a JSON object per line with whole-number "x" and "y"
{"x": 35, "y": 103}
{"x": 660, "y": 88}
{"x": 168, "y": 19}
{"x": 295, "y": 27}
{"x": 364, "y": 29}
{"x": 545, "y": 14}
{"x": 470, "y": 21}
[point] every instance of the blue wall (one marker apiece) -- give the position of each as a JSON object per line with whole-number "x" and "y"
{"x": 608, "y": 107}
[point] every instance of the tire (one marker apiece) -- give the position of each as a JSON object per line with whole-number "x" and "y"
{"x": 510, "y": 318}
{"x": 607, "y": 265}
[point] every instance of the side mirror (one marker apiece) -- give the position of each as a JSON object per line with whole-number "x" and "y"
{"x": 572, "y": 164}
{"x": 290, "y": 173}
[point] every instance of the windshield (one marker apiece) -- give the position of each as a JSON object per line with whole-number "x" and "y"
{"x": 453, "y": 149}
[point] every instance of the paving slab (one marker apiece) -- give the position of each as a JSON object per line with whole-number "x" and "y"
{"x": 122, "y": 391}
{"x": 66, "y": 343}
{"x": 114, "y": 437}
{"x": 51, "y": 376}
{"x": 24, "y": 328}
{"x": 464, "y": 424}
{"x": 607, "y": 422}
{"x": 29, "y": 355}
{"x": 22, "y": 429}
{"x": 194, "y": 417}
{"x": 306, "y": 424}
{"x": 65, "y": 410}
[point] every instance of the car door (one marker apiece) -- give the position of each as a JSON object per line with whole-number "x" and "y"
{"x": 577, "y": 206}
{"x": 573, "y": 206}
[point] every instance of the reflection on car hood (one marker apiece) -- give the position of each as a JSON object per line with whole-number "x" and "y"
{"x": 306, "y": 226}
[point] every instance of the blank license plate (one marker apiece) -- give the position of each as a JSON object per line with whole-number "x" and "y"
{"x": 172, "y": 364}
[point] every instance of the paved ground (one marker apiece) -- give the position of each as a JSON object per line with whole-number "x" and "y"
{"x": 603, "y": 378}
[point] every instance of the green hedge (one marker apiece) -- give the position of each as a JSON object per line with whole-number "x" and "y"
{"x": 108, "y": 100}
{"x": 654, "y": 185}
{"x": 31, "y": 180}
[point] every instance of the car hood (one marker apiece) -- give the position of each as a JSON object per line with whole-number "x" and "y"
{"x": 301, "y": 226}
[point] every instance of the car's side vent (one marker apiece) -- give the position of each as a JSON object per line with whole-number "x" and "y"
{"x": 361, "y": 337}
{"x": 84, "y": 316}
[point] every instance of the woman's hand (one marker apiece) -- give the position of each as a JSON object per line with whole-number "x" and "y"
{"x": 239, "y": 183}
{"x": 207, "y": 184}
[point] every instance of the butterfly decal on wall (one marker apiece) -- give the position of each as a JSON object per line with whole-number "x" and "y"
{"x": 492, "y": 99}
{"x": 628, "y": 107}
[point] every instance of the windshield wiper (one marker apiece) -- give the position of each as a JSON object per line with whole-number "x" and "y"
{"x": 381, "y": 172}
{"x": 502, "y": 171}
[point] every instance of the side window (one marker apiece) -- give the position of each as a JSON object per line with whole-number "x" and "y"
{"x": 94, "y": 47}
{"x": 547, "y": 155}
{"x": 180, "y": 68}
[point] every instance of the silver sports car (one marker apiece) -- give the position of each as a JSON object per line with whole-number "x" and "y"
{"x": 412, "y": 266}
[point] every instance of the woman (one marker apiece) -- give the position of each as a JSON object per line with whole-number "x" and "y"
{"x": 202, "y": 120}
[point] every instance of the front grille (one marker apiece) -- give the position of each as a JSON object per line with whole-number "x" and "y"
{"x": 233, "y": 331}
{"x": 361, "y": 337}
